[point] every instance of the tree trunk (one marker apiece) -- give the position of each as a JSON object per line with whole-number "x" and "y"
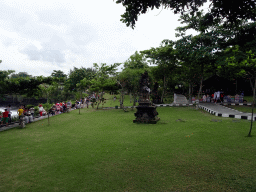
{"x": 121, "y": 99}
{"x": 249, "y": 134}
{"x": 79, "y": 102}
{"x": 134, "y": 99}
{"x": 162, "y": 97}
{"x": 200, "y": 88}
{"x": 189, "y": 92}
{"x": 48, "y": 118}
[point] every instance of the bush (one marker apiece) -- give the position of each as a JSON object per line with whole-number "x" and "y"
{"x": 30, "y": 106}
{"x": 36, "y": 111}
{"x": 15, "y": 118}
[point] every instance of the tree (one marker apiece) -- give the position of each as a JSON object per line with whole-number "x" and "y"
{"x": 129, "y": 80}
{"x": 48, "y": 90}
{"x": 102, "y": 81}
{"x": 136, "y": 61}
{"x": 47, "y": 107}
{"x": 165, "y": 59}
{"x": 20, "y": 74}
{"x": 230, "y": 11}
{"x": 81, "y": 87}
{"x": 58, "y": 74}
{"x": 76, "y": 75}
{"x": 245, "y": 67}
{"x": 4, "y": 75}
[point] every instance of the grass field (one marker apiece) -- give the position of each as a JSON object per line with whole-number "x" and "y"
{"x": 248, "y": 98}
{"x": 245, "y": 109}
{"x": 187, "y": 150}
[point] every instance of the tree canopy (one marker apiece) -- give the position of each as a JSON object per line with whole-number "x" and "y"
{"x": 232, "y": 11}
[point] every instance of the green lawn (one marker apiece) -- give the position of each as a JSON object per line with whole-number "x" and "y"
{"x": 187, "y": 150}
{"x": 245, "y": 109}
{"x": 248, "y": 98}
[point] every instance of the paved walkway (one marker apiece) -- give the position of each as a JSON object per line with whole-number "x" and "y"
{"x": 223, "y": 111}
{"x": 11, "y": 126}
{"x": 15, "y": 125}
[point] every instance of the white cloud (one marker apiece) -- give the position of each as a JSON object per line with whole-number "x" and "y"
{"x": 41, "y": 36}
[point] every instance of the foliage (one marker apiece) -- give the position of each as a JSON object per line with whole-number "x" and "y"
{"x": 36, "y": 111}
{"x": 48, "y": 90}
{"x": 20, "y": 74}
{"x": 247, "y": 68}
{"x": 93, "y": 102}
{"x": 166, "y": 60}
{"x": 242, "y": 64}
{"x": 229, "y": 11}
{"x": 102, "y": 81}
{"x": 76, "y": 75}
{"x": 136, "y": 61}
{"x": 58, "y": 74}
{"x": 4, "y": 74}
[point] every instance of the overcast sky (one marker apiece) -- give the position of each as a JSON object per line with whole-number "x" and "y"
{"x": 38, "y": 37}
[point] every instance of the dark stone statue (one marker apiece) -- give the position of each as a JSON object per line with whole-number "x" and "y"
{"x": 146, "y": 113}
{"x": 144, "y": 88}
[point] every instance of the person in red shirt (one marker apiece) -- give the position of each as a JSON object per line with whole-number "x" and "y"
{"x": 5, "y": 117}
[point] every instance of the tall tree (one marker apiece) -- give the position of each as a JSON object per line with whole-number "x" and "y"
{"x": 196, "y": 54}
{"x": 58, "y": 74}
{"x": 76, "y": 75}
{"x": 102, "y": 81}
{"x": 129, "y": 81}
{"x": 136, "y": 61}
{"x": 244, "y": 66}
{"x": 165, "y": 59}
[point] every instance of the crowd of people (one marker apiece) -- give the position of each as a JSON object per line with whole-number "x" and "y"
{"x": 57, "y": 108}
{"x": 220, "y": 97}
{"x": 214, "y": 97}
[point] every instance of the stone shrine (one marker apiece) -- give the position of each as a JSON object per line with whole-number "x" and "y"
{"x": 146, "y": 112}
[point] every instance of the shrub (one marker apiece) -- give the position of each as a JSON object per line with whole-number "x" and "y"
{"x": 36, "y": 111}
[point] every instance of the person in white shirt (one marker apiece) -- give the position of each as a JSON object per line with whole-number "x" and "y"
{"x": 217, "y": 96}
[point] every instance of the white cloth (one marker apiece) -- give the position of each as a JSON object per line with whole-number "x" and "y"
{"x": 26, "y": 119}
{"x": 41, "y": 109}
{"x": 218, "y": 94}
{"x": 215, "y": 95}
{"x": 31, "y": 119}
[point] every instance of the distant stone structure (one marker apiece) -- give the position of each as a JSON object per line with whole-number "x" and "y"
{"x": 146, "y": 113}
